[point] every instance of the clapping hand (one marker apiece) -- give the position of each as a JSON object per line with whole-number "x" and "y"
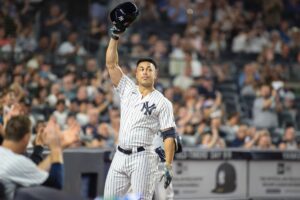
{"x": 40, "y": 135}
{"x": 52, "y": 138}
{"x": 71, "y": 135}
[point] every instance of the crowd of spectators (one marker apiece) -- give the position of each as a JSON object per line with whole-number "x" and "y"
{"x": 227, "y": 66}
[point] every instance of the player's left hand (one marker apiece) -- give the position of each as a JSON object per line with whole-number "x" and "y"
{"x": 115, "y": 32}
{"x": 168, "y": 174}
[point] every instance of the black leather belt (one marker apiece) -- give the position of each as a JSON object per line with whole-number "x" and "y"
{"x": 129, "y": 151}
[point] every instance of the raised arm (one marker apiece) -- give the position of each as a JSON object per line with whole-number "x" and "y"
{"x": 112, "y": 62}
{"x": 121, "y": 17}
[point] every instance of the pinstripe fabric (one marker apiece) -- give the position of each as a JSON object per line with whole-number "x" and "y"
{"x": 137, "y": 171}
{"x": 141, "y": 119}
{"x": 17, "y": 170}
{"x": 160, "y": 192}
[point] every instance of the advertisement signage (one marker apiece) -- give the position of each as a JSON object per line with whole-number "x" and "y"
{"x": 274, "y": 179}
{"x": 209, "y": 179}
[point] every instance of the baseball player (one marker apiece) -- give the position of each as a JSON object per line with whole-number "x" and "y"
{"x": 144, "y": 112}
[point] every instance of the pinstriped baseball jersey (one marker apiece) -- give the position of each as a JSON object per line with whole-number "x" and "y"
{"x": 17, "y": 170}
{"x": 142, "y": 117}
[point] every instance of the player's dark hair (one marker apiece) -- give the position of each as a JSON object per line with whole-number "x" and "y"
{"x": 150, "y": 60}
{"x": 17, "y": 127}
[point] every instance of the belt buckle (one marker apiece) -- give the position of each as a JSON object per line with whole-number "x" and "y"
{"x": 134, "y": 150}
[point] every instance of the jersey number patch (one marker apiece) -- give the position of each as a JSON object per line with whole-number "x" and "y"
{"x": 148, "y": 109}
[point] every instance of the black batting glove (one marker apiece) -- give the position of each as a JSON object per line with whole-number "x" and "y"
{"x": 168, "y": 174}
{"x": 115, "y": 32}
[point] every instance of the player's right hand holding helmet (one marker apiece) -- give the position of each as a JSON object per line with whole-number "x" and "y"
{"x": 122, "y": 16}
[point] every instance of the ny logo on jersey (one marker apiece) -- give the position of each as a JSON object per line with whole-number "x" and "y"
{"x": 148, "y": 109}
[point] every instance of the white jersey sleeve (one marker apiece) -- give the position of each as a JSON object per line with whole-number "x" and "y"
{"x": 166, "y": 116}
{"x": 26, "y": 173}
{"x": 125, "y": 86}
{"x": 19, "y": 169}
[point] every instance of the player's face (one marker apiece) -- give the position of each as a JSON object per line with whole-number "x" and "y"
{"x": 146, "y": 74}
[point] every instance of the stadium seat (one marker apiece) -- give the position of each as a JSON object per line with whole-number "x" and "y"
{"x": 231, "y": 107}
{"x": 246, "y": 105}
{"x": 228, "y": 87}
{"x": 230, "y": 97}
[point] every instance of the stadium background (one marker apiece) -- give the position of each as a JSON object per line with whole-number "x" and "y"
{"x": 215, "y": 59}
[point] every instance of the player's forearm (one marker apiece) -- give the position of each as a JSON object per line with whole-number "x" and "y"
{"x": 45, "y": 164}
{"x": 169, "y": 145}
{"x": 56, "y": 155}
{"x": 112, "y": 54}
